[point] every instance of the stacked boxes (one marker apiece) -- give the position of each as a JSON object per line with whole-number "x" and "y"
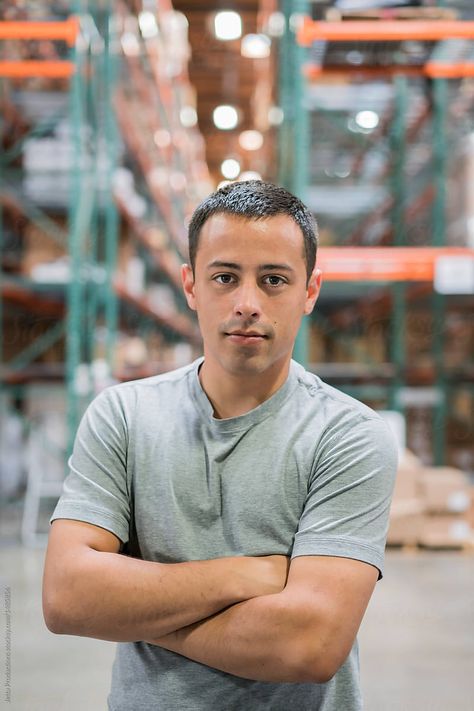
{"x": 432, "y": 506}
{"x": 447, "y": 497}
{"x": 406, "y": 513}
{"x": 40, "y": 248}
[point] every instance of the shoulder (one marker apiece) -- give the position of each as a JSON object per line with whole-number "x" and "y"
{"x": 339, "y": 414}
{"x": 123, "y": 398}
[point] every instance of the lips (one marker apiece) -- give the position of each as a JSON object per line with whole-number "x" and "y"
{"x": 246, "y": 334}
{"x": 246, "y": 338}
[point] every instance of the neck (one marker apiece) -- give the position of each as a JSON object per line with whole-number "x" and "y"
{"x": 234, "y": 394}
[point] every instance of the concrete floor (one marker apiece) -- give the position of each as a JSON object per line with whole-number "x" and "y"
{"x": 417, "y": 640}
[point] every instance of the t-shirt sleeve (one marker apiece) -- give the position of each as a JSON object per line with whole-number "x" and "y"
{"x": 347, "y": 507}
{"x": 96, "y": 489}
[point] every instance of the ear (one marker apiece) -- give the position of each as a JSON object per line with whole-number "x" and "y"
{"x": 187, "y": 279}
{"x": 312, "y": 290}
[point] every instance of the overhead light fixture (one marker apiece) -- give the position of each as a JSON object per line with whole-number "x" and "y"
{"x": 255, "y": 46}
{"x": 225, "y": 117}
{"x": 178, "y": 181}
{"x": 275, "y": 115}
{"x": 342, "y": 172}
{"x": 276, "y": 24}
{"x": 162, "y": 138}
{"x": 148, "y": 25}
{"x": 130, "y": 44}
{"x": 176, "y": 23}
{"x": 227, "y": 25}
{"x": 250, "y": 175}
{"x": 251, "y": 140}
{"x": 367, "y": 120}
{"x": 296, "y": 21}
{"x": 159, "y": 176}
{"x": 188, "y": 116}
{"x": 355, "y": 57}
{"x": 230, "y": 168}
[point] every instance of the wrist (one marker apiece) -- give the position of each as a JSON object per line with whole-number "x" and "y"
{"x": 238, "y": 585}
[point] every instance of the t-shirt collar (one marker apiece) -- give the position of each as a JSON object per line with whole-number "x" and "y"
{"x": 252, "y": 417}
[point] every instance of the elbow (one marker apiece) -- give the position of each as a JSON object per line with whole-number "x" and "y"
{"x": 58, "y": 610}
{"x": 314, "y": 663}
{"x": 54, "y": 625}
{"x": 53, "y": 620}
{"x": 53, "y": 615}
{"x": 317, "y": 671}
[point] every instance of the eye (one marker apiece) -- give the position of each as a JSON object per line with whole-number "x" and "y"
{"x": 224, "y": 278}
{"x": 274, "y": 280}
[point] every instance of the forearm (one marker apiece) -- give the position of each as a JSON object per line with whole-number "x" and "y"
{"x": 269, "y": 638}
{"x": 113, "y": 597}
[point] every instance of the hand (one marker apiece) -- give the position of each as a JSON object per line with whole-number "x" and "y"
{"x": 263, "y": 575}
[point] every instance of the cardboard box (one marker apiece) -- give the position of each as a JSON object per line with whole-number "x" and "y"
{"x": 470, "y": 512}
{"x": 407, "y": 483}
{"x": 405, "y": 529}
{"x": 40, "y": 248}
{"x": 445, "y": 531}
{"x": 445, "y": 490}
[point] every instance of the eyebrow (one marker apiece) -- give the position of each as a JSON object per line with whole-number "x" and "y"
{"x": 262, "y": 267}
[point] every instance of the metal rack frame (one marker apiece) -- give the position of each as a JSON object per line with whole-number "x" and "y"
{"x": 294, "y": 145}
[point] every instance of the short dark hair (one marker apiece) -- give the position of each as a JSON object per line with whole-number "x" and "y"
{"x": 255, "y": 199}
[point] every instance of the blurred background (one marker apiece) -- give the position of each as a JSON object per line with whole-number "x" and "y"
{"x": 117, "y": 118}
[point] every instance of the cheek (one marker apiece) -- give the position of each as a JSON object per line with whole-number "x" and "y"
{"x": 207, "y": 310}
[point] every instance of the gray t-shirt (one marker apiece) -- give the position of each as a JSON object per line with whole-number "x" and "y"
{"x": 308, "y": 472}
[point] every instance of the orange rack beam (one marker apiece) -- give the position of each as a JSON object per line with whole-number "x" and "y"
{"x": 31, "y": 300}
{"x": 435, "y": 70}
{"x": 438, "y": 70}
{"x": 27, "y": 68}
{"x": 66, "y": 30}
{"x": 314, "y": 71}
{"x": 383, "y": 30}
{"x": 384, "y": 263}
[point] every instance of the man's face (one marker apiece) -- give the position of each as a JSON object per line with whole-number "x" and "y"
{"x": 249, "y": 291}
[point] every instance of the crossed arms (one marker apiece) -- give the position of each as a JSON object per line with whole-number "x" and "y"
{"x": 257, "y": 618}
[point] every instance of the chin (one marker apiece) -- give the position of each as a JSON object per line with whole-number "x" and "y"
{"x": 245, "y": 365}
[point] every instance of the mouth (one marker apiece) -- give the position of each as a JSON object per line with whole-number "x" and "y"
{"x": 246, "y": 337}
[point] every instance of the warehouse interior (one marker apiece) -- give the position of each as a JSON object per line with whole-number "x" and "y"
{"x": 117, "y": 118}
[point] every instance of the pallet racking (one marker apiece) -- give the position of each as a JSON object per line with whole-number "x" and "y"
{"x": 92, "y": 213}
{"x": 387, "y": 192}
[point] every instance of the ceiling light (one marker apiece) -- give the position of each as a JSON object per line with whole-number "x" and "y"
{"x": 342, "y": 172}
{"x": 276, "y": 24}
{"x": 176, "y": 23}
{"x": 159, "y": 176}
{"x": 188, "y": 116}
{"x": 225, "y": 117}
{"x": 251, "y": 140}
{"x": 275, "y": 115}
{"x": 130, "y": 44}
{"x": 162, "y": 138}
{"x": 255, "y": 46}
{"x": 296, "y": 21}
{"x": 178, "y": 181}
{"x": 367, "y": 119}
{"x": 147, "y": 24}
{"x": 355, "y": 57}
{"x": 228, "y": 25}
{"x": 230, "y": 168}
{"x": 250, "y": 175}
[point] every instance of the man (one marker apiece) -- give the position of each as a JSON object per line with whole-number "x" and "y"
{"x": 250, "y": 498}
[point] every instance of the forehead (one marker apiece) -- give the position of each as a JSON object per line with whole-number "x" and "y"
{"x": 244, "y": 236}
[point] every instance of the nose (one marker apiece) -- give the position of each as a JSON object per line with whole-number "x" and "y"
{"x": 247, "y": 304}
